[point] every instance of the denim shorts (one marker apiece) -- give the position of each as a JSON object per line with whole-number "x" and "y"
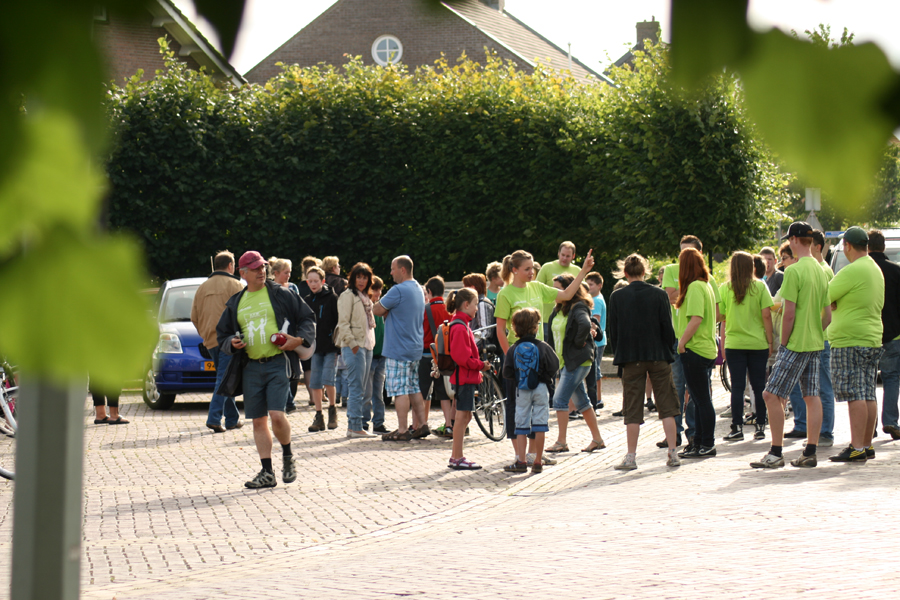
{"x": 322, "y": 370}
{"x": 571, "y": 385}
{"x": 401, "y": 377}
{"x": 853, "y": 372}
{"x": 266, "y": 386}
{"x": 532, "y": 410}
{"x": 791, "y": 367}
{"x": 465, "y": 396}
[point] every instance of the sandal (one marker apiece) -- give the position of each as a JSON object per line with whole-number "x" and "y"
{"x": 557, "y": 447}
{"x": 396, "y": 436}
{"x": 102, "y": 421}
{"x": 463, "y": 464}
{"x": 537, "y": 468}
{"x": 118, "y": 421}
{"x": 594, "y": 445}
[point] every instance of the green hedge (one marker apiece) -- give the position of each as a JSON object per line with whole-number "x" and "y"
{"x": 455, "y": 166}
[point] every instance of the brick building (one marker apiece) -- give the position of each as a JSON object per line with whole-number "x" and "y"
{"x": 416, "y": 33}
{"x": 646, "y": 30}
{"x": 130, "y": 43}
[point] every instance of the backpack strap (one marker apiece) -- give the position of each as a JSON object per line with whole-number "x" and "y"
{"x": 449, "y": 330}
{"x": 430, "y": 316}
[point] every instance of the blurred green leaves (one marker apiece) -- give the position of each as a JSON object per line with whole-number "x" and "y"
{"x": 828, "y": 112}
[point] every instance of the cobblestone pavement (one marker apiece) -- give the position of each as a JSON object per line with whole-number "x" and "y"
{"x": 166, "y": 516}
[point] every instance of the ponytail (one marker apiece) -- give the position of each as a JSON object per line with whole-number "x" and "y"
{"x": 512, "y": 261}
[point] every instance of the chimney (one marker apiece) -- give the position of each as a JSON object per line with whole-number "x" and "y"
{"x": 495, "y": 4}
{"x": 647, "y": 30}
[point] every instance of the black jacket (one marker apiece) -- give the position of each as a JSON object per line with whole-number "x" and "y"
{"x": 548, "y": 362}
{"x": 640, "y": 324}
{"x": 890, "y": 314}
{"x": 337, "y": 283}
{"x": 324, "y": 307}
{"x": 286, "y": 305}
{"x": 578, "y": 344}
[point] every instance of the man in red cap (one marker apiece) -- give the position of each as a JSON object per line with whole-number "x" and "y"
{"x": 250, "y": 320}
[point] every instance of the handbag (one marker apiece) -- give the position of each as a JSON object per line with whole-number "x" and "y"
{"x": 233, "y": 380}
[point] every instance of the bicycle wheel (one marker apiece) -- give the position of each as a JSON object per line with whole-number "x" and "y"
{"x": 725, "y": 376}
{"x": 8, "y": 427}
{"x": 490, "y": 408}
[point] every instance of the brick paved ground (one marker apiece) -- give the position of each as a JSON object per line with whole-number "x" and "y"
{"x": 166, "y": 516}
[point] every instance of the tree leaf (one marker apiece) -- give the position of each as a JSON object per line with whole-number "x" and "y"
{"x": 707, "y": 36}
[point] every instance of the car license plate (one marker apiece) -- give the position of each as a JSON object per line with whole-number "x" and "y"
{"x": 209, "y": 366}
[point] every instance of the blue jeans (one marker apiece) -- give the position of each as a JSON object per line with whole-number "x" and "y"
{"x": 827, "y": 396}
{"x": 696, "y": 376}
{"x": 357, "y": 373}
{"x": 890, "y": 377}
{"x": 688, "y": 412}
{"x": 374, "y": 406}
{"x": 740, "y": 363}
{"x": 571, "y": 385}
{"x": 218, "y": 404}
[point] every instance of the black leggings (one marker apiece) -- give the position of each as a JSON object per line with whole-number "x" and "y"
{"x": 101, "y": 399}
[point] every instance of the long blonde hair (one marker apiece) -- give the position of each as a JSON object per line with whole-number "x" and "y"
{"x": 513, "y": 261}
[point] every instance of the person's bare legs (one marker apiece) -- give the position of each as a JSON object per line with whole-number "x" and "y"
{"x": 871, "y": 421}
{"x": 858, "y": 423}
{"x": 632, "y": 430}
{"x": 591, "y": 419}
{"x": 520, "y": 448}
{"x": 280, "y": 426}
{"x": 262, "y": 436}
{"x": 775, "y": 408}
{"x": 100, "y": 412}
{"x": 417, "y": 404}
{"x": 447, "y": 408}
{"x": 814, "y": 418}
{"x": 330, "y": 393}
{"x": 671, "y": 431}
{"x": 459, "y": 432}
{"x": 113, "y": 413}
{"x": 401, "y": 405}
{"x": 562, "y": 425}
{"x": 537, "y": 445}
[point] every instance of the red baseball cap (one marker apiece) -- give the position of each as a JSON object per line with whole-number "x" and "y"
{"x": 251, "y": 259}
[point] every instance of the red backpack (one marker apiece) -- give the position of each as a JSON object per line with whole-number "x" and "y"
{"x": 440, "y": 348}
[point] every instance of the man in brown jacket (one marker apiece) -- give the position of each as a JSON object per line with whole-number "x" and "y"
{"x": 209, "y": 303}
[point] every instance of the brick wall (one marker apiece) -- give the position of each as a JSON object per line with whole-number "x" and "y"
{"x": 131, "y": 44}
{"x": 351, "y": 26}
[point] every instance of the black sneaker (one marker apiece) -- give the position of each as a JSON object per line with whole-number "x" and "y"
{"x": 289, "y": 470}
{"x": 690, "y": 451}
{"x": 618, "y": 413}
{"x": 290, "y": 408}
{"x": 651, "y": 407}
{"x": 263, "y": 479}
{"x": 736, "y": 435}
{"x": 380, "y": 429}
{"x": 663, "y": 443}
{"x": 870, "y": 453}
{"x": 848, "y": 454}
{"x": 760, "y": 433}
{"x": 706, "y": 452}
{"x": 794, "y": 434}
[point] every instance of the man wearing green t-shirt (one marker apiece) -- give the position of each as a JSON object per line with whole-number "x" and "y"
{"x": 857, "y": 297}
{"x": 249, "y": 322}
{"x": 549, "y": 271}
{"x": 806, "y": 314}
{"x": 670, "y": 284}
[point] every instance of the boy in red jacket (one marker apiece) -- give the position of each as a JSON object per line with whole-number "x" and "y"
{"x": 466, "y": 377}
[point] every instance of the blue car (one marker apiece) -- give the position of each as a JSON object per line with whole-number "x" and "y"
{"x": 177, "y": 367}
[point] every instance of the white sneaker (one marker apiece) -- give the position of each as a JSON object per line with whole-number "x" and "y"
{"x": 627, "y": 464}
{"x": 529, "y": 458}
{"x": 672, "y": 459}
{"x": 769, "y": 461}
{"x": 358, "y": 434}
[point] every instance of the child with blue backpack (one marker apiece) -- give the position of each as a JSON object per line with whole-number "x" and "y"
{"x": 532, "y": 364}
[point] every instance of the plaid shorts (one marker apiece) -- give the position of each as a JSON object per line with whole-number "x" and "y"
{"x": 791, "y": 367}
{"x": 853, "y": 372}
{"x": 401, "y": 377}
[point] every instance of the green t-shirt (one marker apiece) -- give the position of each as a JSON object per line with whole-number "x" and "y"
{"x": 512, "y": 299}
{"x": 546, "y": 275}
{"x": 806, "y": 285}
{"x": 744, "y": 329}
{"x": 558, "y": 327}
{"x": 257, "y": 321}
{"x": 858, "y": 290}
{"x": 670, "y": 280}
{"x": 829, "y": 274}
{"x": 700, "y": 301}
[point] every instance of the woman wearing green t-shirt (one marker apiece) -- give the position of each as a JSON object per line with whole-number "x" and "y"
{"x": 746, "y": 308}
{"x": 570, "y": 332}
{"x": 521, "y": 292}
{"x": 696, "y": 313}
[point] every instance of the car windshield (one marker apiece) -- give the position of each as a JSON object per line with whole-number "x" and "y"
{"x": 840, "y": 259}
{"x": 176, "y": 304}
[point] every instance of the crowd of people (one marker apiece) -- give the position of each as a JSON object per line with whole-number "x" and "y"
{"x": 797, "y": 334}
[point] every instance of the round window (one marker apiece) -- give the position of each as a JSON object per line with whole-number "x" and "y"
{"x": 387, "y": 50}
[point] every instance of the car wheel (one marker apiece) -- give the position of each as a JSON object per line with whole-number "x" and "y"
{"x": 153, "y": 397}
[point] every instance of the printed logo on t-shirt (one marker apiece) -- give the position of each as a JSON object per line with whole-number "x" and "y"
{"x": 255, "y": 332}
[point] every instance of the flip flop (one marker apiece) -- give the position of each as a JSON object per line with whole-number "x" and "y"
{"x": 102, "y": 421}
{"x": 118, "y": 421}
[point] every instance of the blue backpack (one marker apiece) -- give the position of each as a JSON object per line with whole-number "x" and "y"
{"x": 527, "y": 357}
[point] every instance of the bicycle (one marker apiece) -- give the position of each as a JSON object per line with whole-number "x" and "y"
{"x": 8, "y": 395}
{"x": 490, "y": 398}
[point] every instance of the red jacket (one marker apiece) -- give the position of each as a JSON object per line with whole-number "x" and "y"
{"x": 464, "y": 352}
{"x": 440, "y": 315}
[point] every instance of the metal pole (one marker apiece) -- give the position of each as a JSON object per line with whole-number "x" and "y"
{"x": 48, "y": 496}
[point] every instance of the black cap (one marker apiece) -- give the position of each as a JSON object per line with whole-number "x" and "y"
{"x": 799, "y": 229}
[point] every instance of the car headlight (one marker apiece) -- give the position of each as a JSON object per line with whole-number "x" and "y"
{"x": 169, "y": 343}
